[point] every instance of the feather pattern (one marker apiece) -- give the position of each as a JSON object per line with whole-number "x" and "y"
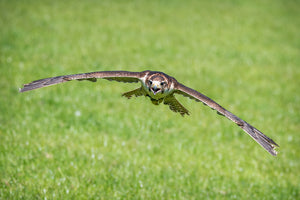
{"x": 121, "y": 76}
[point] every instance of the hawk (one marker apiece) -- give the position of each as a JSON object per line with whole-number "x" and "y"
{"x": 160, "y": 88}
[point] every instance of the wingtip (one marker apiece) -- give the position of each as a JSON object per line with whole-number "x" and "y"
{"x": 274, "y": 153}
{"x": 275, "y": 144}
{"x": 21, "y": 90}
{"x": 270, "y": 146}
{"x": 24, "y": 89}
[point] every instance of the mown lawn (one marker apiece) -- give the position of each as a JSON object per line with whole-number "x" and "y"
{"x": 82, "y": 140}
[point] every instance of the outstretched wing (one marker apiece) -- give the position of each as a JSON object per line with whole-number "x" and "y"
{"x": 122, "y": 76}
{"x": 258, "y": 136}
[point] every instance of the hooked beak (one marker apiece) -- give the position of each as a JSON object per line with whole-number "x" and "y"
{"x": 155, "y": 89}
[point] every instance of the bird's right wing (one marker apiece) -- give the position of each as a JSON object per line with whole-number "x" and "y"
{"x": 121, "y": 76}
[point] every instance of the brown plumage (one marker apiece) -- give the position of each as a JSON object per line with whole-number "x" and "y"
{"x": 159, "y": 87}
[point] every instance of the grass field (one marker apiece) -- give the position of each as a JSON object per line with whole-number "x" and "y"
{"x": 82, "y": 140}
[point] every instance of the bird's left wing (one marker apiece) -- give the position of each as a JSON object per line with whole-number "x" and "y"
{"x": 122, "y": 76}
{"x": 258, "y": 136}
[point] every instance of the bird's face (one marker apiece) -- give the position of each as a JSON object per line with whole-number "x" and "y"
{"x": 157, "y": 84}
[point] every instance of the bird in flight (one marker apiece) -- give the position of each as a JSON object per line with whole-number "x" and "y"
{"x": 159, "y": 87}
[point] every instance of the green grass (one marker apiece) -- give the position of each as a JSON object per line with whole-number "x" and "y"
{"x": 82, "y": 140}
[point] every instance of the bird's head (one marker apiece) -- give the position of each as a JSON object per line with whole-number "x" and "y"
{"x": 157, "y": 84}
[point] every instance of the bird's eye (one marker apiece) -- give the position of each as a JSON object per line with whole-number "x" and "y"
{"x": 162, "y": 83}
{"x": 150, "y": 82}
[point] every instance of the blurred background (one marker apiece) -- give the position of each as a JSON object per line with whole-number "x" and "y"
{"x": 82, "y": 140}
